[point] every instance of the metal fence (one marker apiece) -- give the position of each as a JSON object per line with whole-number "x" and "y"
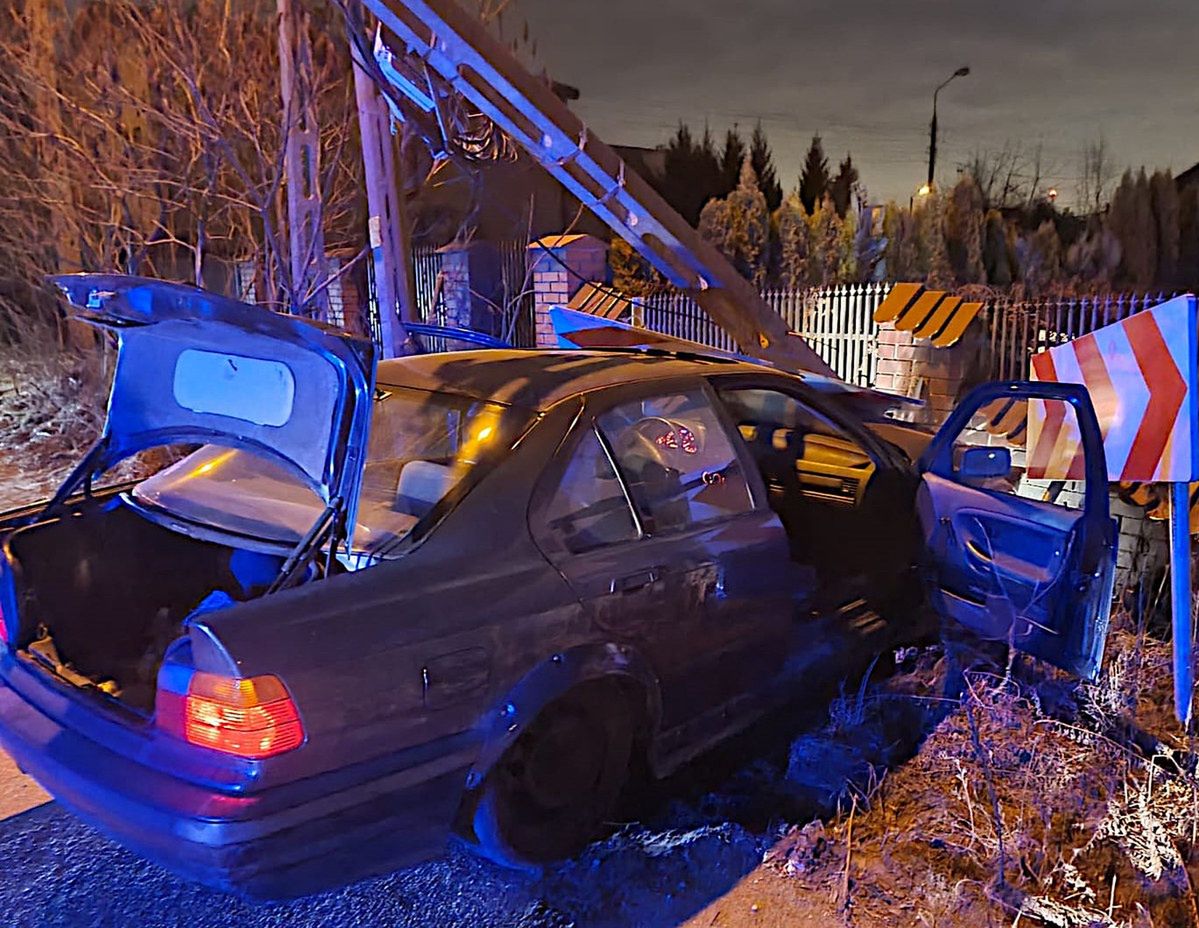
{"x": 505, "y": 293}
{"x": 1018, "y": 330}
{"x": 838, "y": 322}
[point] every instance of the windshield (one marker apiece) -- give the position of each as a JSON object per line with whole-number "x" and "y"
{"x": 422, "y": 445}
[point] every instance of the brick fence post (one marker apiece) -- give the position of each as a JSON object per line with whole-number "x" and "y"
{"x": 913, "y": 367}
{"x": 560, "y": 265}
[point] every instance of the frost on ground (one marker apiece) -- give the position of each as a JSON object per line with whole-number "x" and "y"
{"x": 50, "y": 413}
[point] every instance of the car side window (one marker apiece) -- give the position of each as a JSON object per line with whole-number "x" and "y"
{"x": 799, "y": 451}
{"x": 588, "y": 509}
{"x": 679, "y": 465}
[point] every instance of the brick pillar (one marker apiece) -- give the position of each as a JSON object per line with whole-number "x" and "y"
{"x": 560, "y": 266}
{"x": 913, "y": 367}
{"x": 470, "y": 285}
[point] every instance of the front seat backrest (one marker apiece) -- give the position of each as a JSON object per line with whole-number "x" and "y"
{"x": 421, "y": 485}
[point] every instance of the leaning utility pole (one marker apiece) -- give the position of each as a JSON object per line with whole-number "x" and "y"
{"x": 395, "y": 290}
{"x": 301, "y": 165}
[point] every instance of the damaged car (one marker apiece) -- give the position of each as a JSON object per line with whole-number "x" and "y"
{"x": 480, "y": 591}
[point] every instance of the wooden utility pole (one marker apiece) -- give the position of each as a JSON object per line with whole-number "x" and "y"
{"x": 301, "y": 164}
{"x": 395, "y": 287}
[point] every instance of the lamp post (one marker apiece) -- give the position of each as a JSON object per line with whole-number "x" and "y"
{"x": 932, "y": 128}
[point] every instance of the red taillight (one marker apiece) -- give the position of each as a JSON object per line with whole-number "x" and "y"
{"x": 251, "y": 717}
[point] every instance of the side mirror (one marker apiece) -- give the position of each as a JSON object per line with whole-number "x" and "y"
{"x": 984, "y": 463}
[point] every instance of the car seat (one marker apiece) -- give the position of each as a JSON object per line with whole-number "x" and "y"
{"x": 421, "y": 485}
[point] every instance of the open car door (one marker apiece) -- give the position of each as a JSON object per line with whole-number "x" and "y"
{"x": 1015, "y": 514}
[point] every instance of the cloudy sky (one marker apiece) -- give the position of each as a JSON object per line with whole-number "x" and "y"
{"x": 861, "y": 73}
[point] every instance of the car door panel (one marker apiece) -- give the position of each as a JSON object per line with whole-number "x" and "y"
{"x": 1030, "y": 572}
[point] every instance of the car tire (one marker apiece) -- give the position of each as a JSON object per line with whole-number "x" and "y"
{"x": 554, "y": 790}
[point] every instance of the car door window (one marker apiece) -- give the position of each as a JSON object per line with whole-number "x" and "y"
{"x": 799, "y": 451}
{"x": 1038, "y": 440}
{"x": 1015, "y": 514}
{"x": 589, "y": 509}
{"x": 678, "y": 462}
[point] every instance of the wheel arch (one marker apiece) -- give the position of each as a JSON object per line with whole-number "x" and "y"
{"x": 622, "y": 666}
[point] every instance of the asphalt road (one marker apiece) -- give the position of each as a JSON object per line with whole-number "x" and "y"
{"x": 56, "y": 871}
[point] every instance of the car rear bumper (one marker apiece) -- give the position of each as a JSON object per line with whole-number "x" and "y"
{"x": 264, "y": 844}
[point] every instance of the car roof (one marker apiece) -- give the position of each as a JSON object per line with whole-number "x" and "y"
{"x": 537, "y": 379}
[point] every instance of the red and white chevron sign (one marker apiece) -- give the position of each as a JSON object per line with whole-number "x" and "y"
{"x": 1141, "y": 373}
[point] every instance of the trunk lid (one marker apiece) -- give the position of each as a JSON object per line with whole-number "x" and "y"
{"x": 197, "y": 367}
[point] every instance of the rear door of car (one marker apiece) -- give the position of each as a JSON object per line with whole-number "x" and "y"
{"x": 649, "y": 514}
{"x": 1019, "y": 537}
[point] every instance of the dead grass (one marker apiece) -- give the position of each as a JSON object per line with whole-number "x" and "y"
{"x": 1033, "y": 800}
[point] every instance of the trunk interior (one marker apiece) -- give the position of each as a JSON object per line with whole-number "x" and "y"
{"x": 102, "y": 591}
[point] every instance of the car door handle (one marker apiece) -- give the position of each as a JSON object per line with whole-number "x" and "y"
{"x": 637, "y": 581}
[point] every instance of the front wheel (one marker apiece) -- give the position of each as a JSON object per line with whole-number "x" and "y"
{"x": 556, "y": 787}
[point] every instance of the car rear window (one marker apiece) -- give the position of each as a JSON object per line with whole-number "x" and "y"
{"x": 422, "y": 445}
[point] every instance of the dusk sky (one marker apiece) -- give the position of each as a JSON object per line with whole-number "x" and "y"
{"x": 862, "y": 73}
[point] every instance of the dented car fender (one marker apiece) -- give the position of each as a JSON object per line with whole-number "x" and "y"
{"x": 553, "y": 679}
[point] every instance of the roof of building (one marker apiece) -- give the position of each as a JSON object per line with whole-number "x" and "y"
{"x": 539, "y": 379}
{"x": 1188, "y": 178}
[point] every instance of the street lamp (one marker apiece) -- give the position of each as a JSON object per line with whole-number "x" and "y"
{"x": 932, "y": 129}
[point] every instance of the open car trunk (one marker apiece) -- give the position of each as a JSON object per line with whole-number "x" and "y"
{"x": 102, "y": 591}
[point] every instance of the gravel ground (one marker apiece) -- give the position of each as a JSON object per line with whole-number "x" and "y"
{"x": 60, "y": 872}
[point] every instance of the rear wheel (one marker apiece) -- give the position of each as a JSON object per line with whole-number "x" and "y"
{"x": 556, "y": 787}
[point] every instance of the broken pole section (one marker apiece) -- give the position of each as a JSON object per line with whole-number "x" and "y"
{"x": 395, "y": 297}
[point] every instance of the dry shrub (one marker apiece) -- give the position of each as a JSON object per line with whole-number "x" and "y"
{"x": 51, "y": 411}
{"x": 1038, "y": 800}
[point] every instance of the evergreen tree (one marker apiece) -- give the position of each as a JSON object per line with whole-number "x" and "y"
{"x": 1163, "y": 195}
{"x": 1188, "y": 238}
{"x": 793, "y": 244}
{"x": 739, "y": 225}
{"x": 932, "y": 257}
{"x": 1040, "y": 258}
{"x": 731, "y": 160}
{"x": 813, "y": 181}
{"x": 1094, "y": 258}
{"x": 847, "y": 248}
{"x": 900, "y": 253}
{"x": 763, "y": 164}
{"x": 631, "y": 273}
{"x": 844, "y": 186}
{"x": 692, "y": 173}
{"x": 1130, "y": 219}
{"x": 997, "y": 263}
{"x": 964, "y": 219}
{"x": 824, "y": 234}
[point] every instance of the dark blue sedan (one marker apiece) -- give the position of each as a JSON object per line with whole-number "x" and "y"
{"x": 479, "y": 590}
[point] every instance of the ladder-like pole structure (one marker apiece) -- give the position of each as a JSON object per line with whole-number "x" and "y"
{"x": 457, "y": 47}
